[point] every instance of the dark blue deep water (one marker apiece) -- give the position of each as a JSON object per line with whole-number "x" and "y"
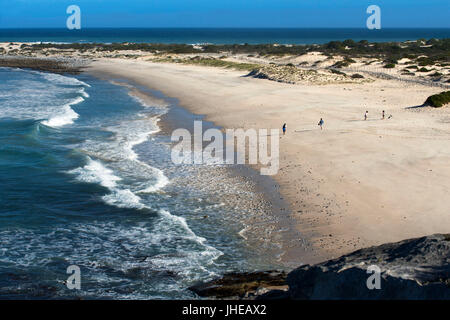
{"x": 218, "y": 35}
{"x": 86, "y": 180}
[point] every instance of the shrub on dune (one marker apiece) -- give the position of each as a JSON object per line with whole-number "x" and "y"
{"x": 438, "y": 100}
{"x": 436, "y": 74}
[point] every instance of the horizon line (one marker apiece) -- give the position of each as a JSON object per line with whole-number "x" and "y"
{"x": 62, "y": 28}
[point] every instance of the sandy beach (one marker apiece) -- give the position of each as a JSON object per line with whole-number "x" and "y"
{"x": 354, "y": 184}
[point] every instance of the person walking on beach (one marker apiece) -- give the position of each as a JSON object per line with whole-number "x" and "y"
{"x": 365, "y": 115}
{"x": 284, "y": 129}
{"x": 382, "y": 115}
{"x": 320, "y": 124}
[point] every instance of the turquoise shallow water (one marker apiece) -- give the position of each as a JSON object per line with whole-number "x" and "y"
{"x": 86, "y": 180}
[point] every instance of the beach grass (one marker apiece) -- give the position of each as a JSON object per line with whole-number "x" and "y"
{"x": 211, "y": 62}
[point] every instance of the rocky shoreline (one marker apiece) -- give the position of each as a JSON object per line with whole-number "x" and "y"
{"x": 416, "y": 268}
{"x": 246, "y": 285}
{"x": 55, "y": 65}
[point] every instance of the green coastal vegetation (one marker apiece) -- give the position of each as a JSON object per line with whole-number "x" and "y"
{"x": 422, "y": 52}
{"x": 211, "y": 62}
{"x": 438, "y": 100}
{"x": 428, "y": 58}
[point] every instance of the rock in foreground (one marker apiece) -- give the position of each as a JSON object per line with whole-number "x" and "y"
{"x": 410, "y": 269}
{"x": 242, "y": 285}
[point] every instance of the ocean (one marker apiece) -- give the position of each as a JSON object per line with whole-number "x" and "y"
{"x": 86, "y": 180}
{"x": 218, "y": 35}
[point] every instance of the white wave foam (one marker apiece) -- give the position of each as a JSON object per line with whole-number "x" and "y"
{"x": 169, "y": 225}
{"x": 161, "y": 182}
{"x": 84, "y": 93}
{"x": 123, "y": 198}
{"x": 181, "y": 222}
{"x": 95, "y": 172}
{"x": 129, "y": 135}
{"x": 62, "y": 80}
{"x": 144, "y": 99}
{"x": 139, "y": 100}
{"x": 137, "y": 139}
{"x": 190, "y": 262}
{"x": 29, "y": 96}
{"x": 120, "y": 247}
{"x": 139, "y": 177}
{"x": 48, "y": 42}
{"x": 65, "y": 116}
{"x": 242, "y": 233}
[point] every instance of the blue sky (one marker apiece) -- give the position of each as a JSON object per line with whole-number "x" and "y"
{"x": 224, "y": 13}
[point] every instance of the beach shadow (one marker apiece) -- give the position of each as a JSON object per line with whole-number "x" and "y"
{"x": 362, "y": 120}
{"x": 424, "y": 105}
{"x": 254, "y": 74}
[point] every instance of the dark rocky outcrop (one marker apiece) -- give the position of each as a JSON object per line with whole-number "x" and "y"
{"x": 243, "y": 285}
{"x": 411, "y": 269}
{"x": 55, "y": 65}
